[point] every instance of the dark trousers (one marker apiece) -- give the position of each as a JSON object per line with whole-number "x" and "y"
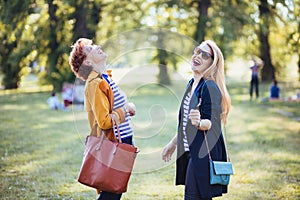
{"x": 109, "y": 195}
{"x": 191, "y": 186}
{"x": 254, "y": 83}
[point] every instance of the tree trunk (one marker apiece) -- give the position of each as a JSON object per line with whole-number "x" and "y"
{"x": 202, "y": 9}
{"x": 94, "y": 19}
{"x": 163, "y": 75}
{"x": 299, "y": 67}
{"x": 298, "y": 52}
{"x": 13, "y": 49}
{"x": 87, "y": 18}
{"x": 80, "y": 26}
{"x": 11, "y": 76}
{"x": 268, "y": 71}
{"x": 53, "y": 46}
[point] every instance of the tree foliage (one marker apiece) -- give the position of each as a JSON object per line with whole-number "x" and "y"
{"x": 44, "y": 30}
{"x": 15, "y": 45}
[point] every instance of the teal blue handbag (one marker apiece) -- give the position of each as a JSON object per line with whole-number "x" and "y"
{"x": 220, "y": 171}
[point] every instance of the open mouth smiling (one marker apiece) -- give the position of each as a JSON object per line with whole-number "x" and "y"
{"x": 196, "y": 62}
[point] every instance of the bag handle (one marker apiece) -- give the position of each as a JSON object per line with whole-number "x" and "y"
{"x": 115, "y": 122}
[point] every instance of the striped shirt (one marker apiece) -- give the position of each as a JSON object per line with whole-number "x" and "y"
{"x": 186, "y": 106}
{"x": 119, "y": 101}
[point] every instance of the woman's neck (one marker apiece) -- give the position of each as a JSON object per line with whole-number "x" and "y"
{"x": 197, "y": 78}
{"x": 100, "y": 69}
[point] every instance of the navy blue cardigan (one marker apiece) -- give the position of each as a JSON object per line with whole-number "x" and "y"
{"x": 209, "y": 96}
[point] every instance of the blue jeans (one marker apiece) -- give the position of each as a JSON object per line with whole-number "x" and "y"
{"x": 109, "y": 195}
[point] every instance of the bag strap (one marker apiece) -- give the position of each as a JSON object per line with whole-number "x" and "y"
{"x": 208, "y": 151}
{"x": 204, "y": 132}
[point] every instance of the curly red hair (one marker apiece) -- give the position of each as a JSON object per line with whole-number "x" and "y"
{"x": 77, "y": 55}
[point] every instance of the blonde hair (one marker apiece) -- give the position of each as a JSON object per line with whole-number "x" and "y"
{"x": 216, "y": 73}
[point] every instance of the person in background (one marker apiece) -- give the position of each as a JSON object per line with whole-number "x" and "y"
{"x": 274, "y": 90}
{"x": 103, "y": 99}
{"x": 204, "y": 106}
{"x": 53, "y": 102}
{"x": 254, "y": 83}
{"x": 67, "y": 94}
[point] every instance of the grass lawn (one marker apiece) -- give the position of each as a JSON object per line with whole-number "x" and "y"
{"x": 41, "y": 149}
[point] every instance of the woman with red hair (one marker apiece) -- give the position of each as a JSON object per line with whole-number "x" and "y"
{"x": 103, "y": 98}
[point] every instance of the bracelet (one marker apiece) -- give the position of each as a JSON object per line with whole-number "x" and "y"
{"x": 125, "y": 109}
{"x": 174, "y": 142}
{"x": 117, "y": 115}
{"x": 199, "y": 125}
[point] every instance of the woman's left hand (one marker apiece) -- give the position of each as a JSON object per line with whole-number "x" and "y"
{"x": 195, "y": 117}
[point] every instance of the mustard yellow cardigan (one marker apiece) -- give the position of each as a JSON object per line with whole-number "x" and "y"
{"x": 98, "y": 102}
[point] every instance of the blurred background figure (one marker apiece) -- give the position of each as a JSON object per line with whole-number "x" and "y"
{"x": 78, "y": 92}
{"x": 78, "y": 95}
{"x": 254, "y": 76}
{"x": 53, "y": 102}
{"x": 67, "y": 94}
{"x": 274, "y": 90}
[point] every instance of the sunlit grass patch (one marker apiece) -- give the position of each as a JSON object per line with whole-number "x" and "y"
{"x": 41, "y": 149}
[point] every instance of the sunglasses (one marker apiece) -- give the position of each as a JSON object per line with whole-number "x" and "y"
{"x": 203, "y": 54}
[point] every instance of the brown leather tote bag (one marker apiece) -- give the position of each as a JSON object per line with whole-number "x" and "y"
{"x": 107, "y": 165}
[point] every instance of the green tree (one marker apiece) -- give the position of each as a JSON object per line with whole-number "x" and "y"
{"x": 293, "y": 39}
{"x": 221, "y": 21}
{"x": 54, "y": 51}
{"x": 228, "y": 18}
{"x": 170, "y": 17}
{"x": 67, "y": 22}
{"x": 14, "y": 46}
{"x": 44, "y": 30}
{"x": 278, "y": 33}
{"x": 265, "y": 35}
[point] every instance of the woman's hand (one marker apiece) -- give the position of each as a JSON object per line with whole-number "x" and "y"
{"x": 130, "y": 108}
{"x": 202, "y": 124}
{"x": 195, "y": 117}
{"x": 169, "y": 150}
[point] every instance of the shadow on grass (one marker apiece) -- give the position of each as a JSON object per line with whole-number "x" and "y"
{"x": 41, "y": 149}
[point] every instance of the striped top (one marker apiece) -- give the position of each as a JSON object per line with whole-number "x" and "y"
{"x": 186, "y": 107}
{"x": 119, "y": 101}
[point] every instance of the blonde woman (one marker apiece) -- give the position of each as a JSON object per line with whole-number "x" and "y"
{"x": 205, "y": 105}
